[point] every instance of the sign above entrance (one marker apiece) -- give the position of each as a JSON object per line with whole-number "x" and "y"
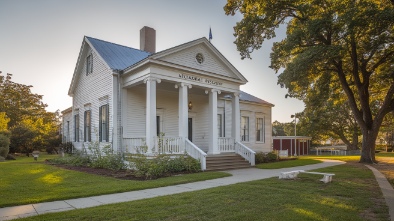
{"x": 200, "y": 79}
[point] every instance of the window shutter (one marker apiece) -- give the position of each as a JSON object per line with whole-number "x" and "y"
{"x": 84, "y": 127}
{"x": 100, "y": 122}
{"x": 107, "y": 122}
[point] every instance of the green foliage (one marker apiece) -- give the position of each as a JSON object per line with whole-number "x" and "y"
{"x": 4, "y": 145}
{"x": 163, "y": 165}
{"x": 31, "y": 125}
{"x": 104, "y": 157}
{"x": 261, "y": 157}
{"x": 4, "y": 122}
{"x": 339, "y": 51}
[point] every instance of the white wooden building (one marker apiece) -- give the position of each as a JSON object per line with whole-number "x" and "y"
{"x": 126, "y": 97}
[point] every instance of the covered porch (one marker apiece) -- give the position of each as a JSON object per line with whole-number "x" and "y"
{"x": 173, "y": 116}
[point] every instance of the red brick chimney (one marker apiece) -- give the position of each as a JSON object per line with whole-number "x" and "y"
{"x": 148, "y": 39}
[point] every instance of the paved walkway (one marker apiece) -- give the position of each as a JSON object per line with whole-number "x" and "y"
{"x": 242, "y": 175}
{"x": 387, "y": 190}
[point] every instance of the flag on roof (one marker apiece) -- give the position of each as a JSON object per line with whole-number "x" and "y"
{"x": 210, "y": 34}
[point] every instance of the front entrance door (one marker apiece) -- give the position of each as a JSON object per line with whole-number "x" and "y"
{"x": 190, "y": 129}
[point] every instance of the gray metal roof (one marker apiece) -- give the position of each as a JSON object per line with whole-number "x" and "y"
{"x": 243, "y": 96}
{"x": 117, "y": 57}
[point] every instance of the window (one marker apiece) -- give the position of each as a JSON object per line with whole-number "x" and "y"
{"x": 76, "y": 128}
{"x": 220, "y": 127}
{"x": 104, "y": 123}
{"x": 245, "y": 129}
{"x": 89, "y": 64}
{"x": 260, "y": 135}
{"x": 87, "y": 128}
{"x": 68, "y": 131}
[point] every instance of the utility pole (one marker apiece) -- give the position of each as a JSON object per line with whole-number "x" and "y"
{"x": 295, "y": 124}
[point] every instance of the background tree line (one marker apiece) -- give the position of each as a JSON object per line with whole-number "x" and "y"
{"x": 24, "y": 123}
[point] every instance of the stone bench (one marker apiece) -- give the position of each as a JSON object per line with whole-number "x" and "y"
{"x": 327, "y": 177}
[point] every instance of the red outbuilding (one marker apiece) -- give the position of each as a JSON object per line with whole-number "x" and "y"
{"x": 295, "y": 145}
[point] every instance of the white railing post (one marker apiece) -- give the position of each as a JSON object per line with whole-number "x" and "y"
{"x": 226, "y": 144}
{"x": 196, "y": 153}
{"x": 245, "y": 152}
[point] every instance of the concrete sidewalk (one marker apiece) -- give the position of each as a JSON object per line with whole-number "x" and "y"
{"x": 242, "y": 175}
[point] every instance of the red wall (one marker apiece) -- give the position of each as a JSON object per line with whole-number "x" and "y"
{"x": 290, "y": 145}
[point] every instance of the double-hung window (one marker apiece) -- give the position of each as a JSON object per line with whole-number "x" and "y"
{"x": 87, "y": 128}
{"x": 260, "y": 135}
{"x": 220, "y": 127}
{"x": 104, "y": 123}
{"x": 244, "y": 128}
{"x": 89, "y": 64}
{"x": 76, "y": 128}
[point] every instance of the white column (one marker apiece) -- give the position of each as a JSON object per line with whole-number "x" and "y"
{"x": 236, "y": 118}
{"x": 115, "y": 106}
{"x": 183, "y": 109}
{"x": 213, "y": 121}
{"x": 150, "y": 111}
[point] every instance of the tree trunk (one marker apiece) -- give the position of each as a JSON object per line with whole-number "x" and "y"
{"x": 354, "y": 141}
{"x": 368, "y": 147}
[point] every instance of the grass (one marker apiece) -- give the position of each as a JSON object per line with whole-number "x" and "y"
{"x": 25, "y": 181}
{"x": 351, "y": 196}
{"x": 387, "y": 154}
{"x": 287, "y": 163}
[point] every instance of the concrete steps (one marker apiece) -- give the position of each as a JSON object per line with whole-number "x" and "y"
{"x": 226, "y": 162}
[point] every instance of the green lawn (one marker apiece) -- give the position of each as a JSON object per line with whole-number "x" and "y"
{"x": 24, "y": 181}
{"x": 287, "y": 163}
{"x": 352, "y": 195}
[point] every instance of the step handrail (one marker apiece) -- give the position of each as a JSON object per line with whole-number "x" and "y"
{"x": 196, "y": 153}
{"x": 245, "y": 152}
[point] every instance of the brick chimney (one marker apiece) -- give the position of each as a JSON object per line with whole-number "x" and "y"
{"x": 148, "y": 39}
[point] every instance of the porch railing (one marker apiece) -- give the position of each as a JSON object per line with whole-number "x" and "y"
{"x": 245, "y": 152}
{"x": 134, "y": 145}
{"x": 168, "y": 145}
{"x": 196, "y": 153}
{"x": 226, "y": 144}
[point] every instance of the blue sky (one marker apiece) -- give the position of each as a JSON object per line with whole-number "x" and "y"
{"x": 40, "y": 41}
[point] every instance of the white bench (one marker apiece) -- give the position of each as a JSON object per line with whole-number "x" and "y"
{"x": 327, "y": 177}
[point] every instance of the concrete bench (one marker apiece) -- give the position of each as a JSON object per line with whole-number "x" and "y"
{"x": 327, "y": 177}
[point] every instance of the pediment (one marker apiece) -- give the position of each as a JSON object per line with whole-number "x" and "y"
{"x": 201, "y": 55}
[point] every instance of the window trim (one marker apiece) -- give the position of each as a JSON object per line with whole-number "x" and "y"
{"x": 76, "y": 127}
{"x": 87, "y": 129}
{"x": 262, "y": 128}
{"x": 89, "y": 64}
{"x": 244, "y": 129}
{"x": 106, "y": 122}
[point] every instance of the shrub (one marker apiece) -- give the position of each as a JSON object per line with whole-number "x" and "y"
{"x": 4, "y": 145}
{"x": 261, "y": 157}
{"x": 163, "y": 165}
{"x": 272, "y": 156}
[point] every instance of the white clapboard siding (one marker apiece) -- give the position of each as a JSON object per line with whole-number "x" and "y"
{"x": 67, "y": 127}
{"x": 92, "y": 91}
{"x": 254, "y": 111}
{"x": 211, "y": 62}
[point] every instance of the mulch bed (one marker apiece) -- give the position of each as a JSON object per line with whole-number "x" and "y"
{"x": 120, "y": 174}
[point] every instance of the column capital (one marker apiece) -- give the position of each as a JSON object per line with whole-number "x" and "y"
{"x": 213, "y": 91}
{"x": 158, "y": 80}
{"x": 236, "y": 94}
{"x": 182, "y": 84}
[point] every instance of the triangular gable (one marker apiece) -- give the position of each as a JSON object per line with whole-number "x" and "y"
{"x": 214, "y": 62}
{"x": 114, "y": 56}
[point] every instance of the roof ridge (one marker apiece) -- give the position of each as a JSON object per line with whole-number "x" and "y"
{"x": 116, "y": 44}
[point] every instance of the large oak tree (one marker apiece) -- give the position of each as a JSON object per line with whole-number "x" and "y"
{"x": 350, "y": 42}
